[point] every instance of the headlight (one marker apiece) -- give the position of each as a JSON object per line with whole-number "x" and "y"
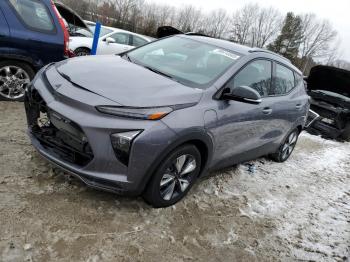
{"x": 121, "y": 143}
{"x": 149, "y": 113}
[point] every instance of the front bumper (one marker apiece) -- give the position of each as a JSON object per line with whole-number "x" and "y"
{"x": 331, "y": 119}
{"x": 98, "y": 166}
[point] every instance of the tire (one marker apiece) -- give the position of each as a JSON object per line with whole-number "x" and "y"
{"x": 287, "y": 147}
{"x": 82, "y": 51}
{"x": 346, "y": 133}
{"x": 177, "y": 173}
{"x": 15, "y": 76}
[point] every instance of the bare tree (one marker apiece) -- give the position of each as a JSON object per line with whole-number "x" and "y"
{"x": 318, "y": 37}
{"x": 217, "y": 23}
{"x": 188, "y": 18}
{"x": 242, "y": 22}
{"x": 266, "y": 26}
{"x": 255, "y": 26}
{"x": 341, "y": 64}
{"x": 251, "y": 25}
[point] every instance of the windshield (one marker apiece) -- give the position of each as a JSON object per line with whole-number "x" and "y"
{"x": 104, "y": 31}
{"x": 188, "y": 61}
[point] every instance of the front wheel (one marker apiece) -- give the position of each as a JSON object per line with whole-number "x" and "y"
{"x": 174, "y": 178}
{"x": 286, "y": 149}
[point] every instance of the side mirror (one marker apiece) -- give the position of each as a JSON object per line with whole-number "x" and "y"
{"x": 110, "y": 40}
{"x": 243, "y": 94}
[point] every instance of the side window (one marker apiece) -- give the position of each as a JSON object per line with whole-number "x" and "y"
{"x": 257, "y": 75}
{"x": 138, "y": 41}
{"x": 121, "y": 38}
{"x": 284, "y": 80}
{"x": 34, "y": 14}
{"x": 298, "y": 79}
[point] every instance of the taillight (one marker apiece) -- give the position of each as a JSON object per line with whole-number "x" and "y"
{"x": 66, "y": 51}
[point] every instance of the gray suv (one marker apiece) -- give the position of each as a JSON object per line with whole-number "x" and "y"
{"x": 153, "y": 120}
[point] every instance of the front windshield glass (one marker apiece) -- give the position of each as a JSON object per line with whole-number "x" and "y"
{"x": 187, "y": 61}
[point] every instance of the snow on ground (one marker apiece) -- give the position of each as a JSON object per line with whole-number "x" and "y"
{"x": 298, "y": 210}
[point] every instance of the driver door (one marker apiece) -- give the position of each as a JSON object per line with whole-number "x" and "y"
{"x": 121, "y": 44}
{"x": 245, "y": 130}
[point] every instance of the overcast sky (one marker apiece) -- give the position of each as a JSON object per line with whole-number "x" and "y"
{"x": 336, "y": 11}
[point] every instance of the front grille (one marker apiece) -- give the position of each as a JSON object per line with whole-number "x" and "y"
{"x": 57, "y": 134}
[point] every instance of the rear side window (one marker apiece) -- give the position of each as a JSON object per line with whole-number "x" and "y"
{"x": 34, "y": 14}
{"x": 284, "y": 80}
{"x": 298, "y": 79}
{"x": 121, "y": 38}
{"x": 257, "y": 75}
{"x": 138, "y": 41}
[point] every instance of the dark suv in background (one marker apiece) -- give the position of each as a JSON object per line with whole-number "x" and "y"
{"x": 32, "y": 34}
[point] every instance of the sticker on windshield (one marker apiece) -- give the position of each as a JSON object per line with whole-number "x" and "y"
{"x": 226, "y": 53}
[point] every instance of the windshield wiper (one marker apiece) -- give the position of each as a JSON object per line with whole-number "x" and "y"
{"x": 127, "y": 57}
{"x": 151, "y": 68}
{"x": 159, "y": 72}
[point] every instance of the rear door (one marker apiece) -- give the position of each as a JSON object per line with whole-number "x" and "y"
{"x": 4, "y": 34}
{"x": 291, "y": 100}
{"x": 138, "y": 41}
{"x": 34, "y": 30}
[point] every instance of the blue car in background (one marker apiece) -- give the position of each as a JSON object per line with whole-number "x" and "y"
{"x": 33, "y": 33}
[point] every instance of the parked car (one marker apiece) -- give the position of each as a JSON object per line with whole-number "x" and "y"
{"x": 111, "y": 41}
{"x": 32, "y": 34}
{"x": 156, "y": 118}
{"x": 329, "y": 89}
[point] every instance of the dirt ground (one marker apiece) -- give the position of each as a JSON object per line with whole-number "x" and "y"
{"x": 298, "y": 210}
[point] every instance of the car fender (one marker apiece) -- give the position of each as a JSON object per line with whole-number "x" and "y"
{"x": 78, "y": 42}
{"x": 195, "y": 134}
{"x": 21, "y": 56}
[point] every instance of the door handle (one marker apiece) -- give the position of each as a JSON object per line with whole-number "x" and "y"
{"x": 298, "y": 106}
{"x": 267, "y": 110}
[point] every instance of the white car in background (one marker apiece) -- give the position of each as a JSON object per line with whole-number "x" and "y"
{"x": 111, "y": 41}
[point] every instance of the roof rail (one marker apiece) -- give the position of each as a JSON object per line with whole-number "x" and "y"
{"x": 256, "y": 50}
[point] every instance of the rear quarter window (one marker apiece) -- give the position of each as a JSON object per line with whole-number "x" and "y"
{"x": 33, "y": 14}
{"x": 138, "y": 41}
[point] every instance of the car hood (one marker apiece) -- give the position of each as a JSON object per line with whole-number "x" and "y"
{"x": 125, "y": 83}
{"x": 331, "y": 79}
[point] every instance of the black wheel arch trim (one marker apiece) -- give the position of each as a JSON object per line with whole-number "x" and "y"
{"x": 36, "y": 65}
{"x": 190, "y": 137}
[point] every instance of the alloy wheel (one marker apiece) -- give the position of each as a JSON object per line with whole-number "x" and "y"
{"x": 13, "y": 82}
{"x": 178, "y": 176}
{"x": 289, "y": 145}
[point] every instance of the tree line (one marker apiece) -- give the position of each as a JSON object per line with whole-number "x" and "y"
{"x": 304, "y": 39}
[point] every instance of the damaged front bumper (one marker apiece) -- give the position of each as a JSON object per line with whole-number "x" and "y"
{"x": 62, "y": 142}
{"x": 329, "y": 121}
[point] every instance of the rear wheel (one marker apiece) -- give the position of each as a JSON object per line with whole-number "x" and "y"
{"x": 346, "y": 133}
{"x": 82, "y": 51}
{"x": 174, "y": 178}
{"x": 14, "y": 78}
{"x": 286, "y": 149}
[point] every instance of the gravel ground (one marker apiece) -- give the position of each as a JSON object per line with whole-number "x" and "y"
{"x": 299, "y": 210}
